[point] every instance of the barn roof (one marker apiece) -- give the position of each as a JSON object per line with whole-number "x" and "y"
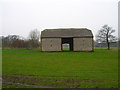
{"x": 66, "y": 32}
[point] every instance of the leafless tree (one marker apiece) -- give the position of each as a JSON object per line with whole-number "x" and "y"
{"x": 34, "y": 37}
{"x": 105, "y": 35}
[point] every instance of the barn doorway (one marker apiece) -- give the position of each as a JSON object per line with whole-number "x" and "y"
{"x": 66, "y": 47}
{"x": 67, "y": 44}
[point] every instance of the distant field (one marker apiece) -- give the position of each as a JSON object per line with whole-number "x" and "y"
{"x": 32, "y": 68}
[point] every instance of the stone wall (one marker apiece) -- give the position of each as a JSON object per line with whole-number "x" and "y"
{"x": 51, "y": 44}
{"x": 82, "y": 44}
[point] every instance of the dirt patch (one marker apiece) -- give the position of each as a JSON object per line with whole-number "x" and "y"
{"x": 25, "y": 78}
{"x": 45, "y": 83}
{"x": 25, "y": 85}
{"x": 115, "y": 49}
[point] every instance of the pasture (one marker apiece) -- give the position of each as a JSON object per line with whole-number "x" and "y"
{"x": 32, "y": 68}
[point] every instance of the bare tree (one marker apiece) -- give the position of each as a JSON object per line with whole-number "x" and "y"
{"x": 105, "y": 35}
{"x": 34, "y": 37}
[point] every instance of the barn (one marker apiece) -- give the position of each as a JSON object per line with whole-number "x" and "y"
{"x": 78, "y": 39}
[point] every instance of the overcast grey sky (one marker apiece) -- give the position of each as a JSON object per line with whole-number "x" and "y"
{"x": 21, "y": 16}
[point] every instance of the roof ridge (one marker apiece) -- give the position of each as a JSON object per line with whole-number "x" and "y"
{"x": 71, "y": 28}
{"x": 68, "y": 32}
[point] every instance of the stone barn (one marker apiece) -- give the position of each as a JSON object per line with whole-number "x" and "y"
{"x": 78, "y": 39}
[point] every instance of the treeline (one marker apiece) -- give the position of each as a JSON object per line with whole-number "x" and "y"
{"x": 112, "y": 44}
{"x": 16, "y": 41}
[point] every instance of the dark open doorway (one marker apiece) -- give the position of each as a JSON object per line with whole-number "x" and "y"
{"x": 69, "y": 44}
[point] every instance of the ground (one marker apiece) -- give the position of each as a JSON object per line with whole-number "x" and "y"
{"x": 32, "y": 68}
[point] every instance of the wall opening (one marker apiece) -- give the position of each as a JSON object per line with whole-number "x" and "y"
{"x": 66, "y": 47}
{"x": 68, "y": 42}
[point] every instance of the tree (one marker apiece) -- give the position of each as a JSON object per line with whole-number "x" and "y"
{"x": 34, "y": 37}
{"x": 12, "y": 41}
{"x": 18, "y": 44}
{"x": 105, "y": 35}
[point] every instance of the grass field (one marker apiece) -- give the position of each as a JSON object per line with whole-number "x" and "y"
{"x": 32, "y": 68}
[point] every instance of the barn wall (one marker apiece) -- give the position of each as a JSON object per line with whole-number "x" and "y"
{"x": 83, "y": 44}
{"x": 51, "y": 44}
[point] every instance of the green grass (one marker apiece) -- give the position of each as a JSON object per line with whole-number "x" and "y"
{"x": 87, "y": 69}
{"x": 66, "y": 49}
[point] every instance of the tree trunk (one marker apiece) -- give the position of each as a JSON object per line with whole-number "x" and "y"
{"x": 108, "y": 44}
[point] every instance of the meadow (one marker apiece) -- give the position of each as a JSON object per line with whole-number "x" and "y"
{"x": 32, "y": 68}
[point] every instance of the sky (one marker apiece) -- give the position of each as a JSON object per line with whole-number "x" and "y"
{"x": 19, "y": 17}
